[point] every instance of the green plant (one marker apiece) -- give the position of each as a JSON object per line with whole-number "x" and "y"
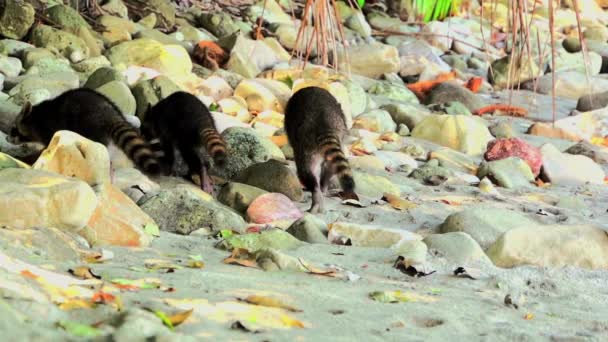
{"x": 431, "y": 10}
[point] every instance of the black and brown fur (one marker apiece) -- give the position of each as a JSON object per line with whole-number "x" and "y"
{"x": 315, "y": 126}
{"x": 90, "y": 114}
{"x": 182, "y": 121}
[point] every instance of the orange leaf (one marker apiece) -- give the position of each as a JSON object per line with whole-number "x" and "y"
{"x": 241, "y": 257}
{"x": 474, "y": 84}
{"x": 398, "y": 203}
{"x": 279, "y": 140}
{"x": 103, "y": 297}
{"x": 508, "y": 109}
{"x": 28, "y": 274}
{"x": 421, "y": 87}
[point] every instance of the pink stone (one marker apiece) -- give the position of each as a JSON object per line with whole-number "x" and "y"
{"x": 272, "y": 207}
{"x": 515, "y": 147}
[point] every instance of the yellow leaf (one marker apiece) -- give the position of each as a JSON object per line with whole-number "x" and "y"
{"x": 83, "y": 272}
{"x": 270, "y": 302}
{"x": 76, "y": 304}
{"x": 180, "y": 317}
{"x": 291, "y": 322}
{"x": 528, "y": 316}
{"x": 196, "y": 264}
{"x": 398, "y": 203}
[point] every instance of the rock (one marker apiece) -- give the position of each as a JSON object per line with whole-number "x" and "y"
{"x": 357, "y": 23}
{"x": 72, "y": 155}
{"x": 455, "y": 160}
{"x": 458, "y": 248}
{"x": 502, "y": 130}
{"x": 309, "y": 229}
{"x": 14, "y": 48}
{"x": 567, "y": 169}
{"x": 369, "y": 235}
{"x": 415, "y": 151}
{"x": 49, "y": 244}
{"x": 571, "y": 84}
{"x": 393, "y": 92}
{"x": 572, "y": 202}
{"x": 510, "y": 172}
{"x": 102, "y": 76}
{"x": 249, "y": 58}
{"x": 552, "y": 246}
{"x": 274, "y": 239}
{"x": 272, "y": 176}
{"x": 373, "y": 186}
{"x": 548, "y": 131}
{"x": 403, "y": 130}
{"x": 438, "y": 35}
{"x": 36, "y": 198}
{"x": 163, "y": 10}
{"x": 216, "y": 88}
{"x": 245, "y": 148}
{"x": 116, "y": 7}
{"x": 396, "y": 160}
{"x": 120, "y": 94}
{"x": 431, "y": 169}
{"x": 220, "y": 24}
{"x": 418, "y": 58}
{"x": 139, "y": 324}
{"x": 262, "y": 94}
{"x": 357, "y": 96}
{"x": 515, "y": 147}
{"x": 499, "y": 76}
{"x": 90, "y": 65}
{"x": 7, "y": 162}
{"x": 50, "y": 66}
{"x": 566, "y": 61}
{"x": 66, "y": 44}
{"x": 272, "y": 12}
{"x": 149, "y": 92}
{"x": 117, "y": 221}
{"x": 116, "y": 29}
{"x": 464, "y": 133}
{"x": 36, "y": 89}
{"x": 366, "y": 163}
{"x": 16, "y": 18}
{"x": 377, "y": 120}
{"x": 373, "y": 60}
{"x": 484, "y": 224}
{"x": 239, "y": 196}
{"x": 591, "y": 102}
{"x": 134, "y": 183}
{"x": 589, "y": 150}
{"x": 184, "y": 208}
{"x": 10, "y": 66}
{"x": 407, "y": 114}
{"x": 66, "y": 17}
{"x": 172, "y": 61}
{"x": 452, "y": 108}
{"x": 449, "y": 92}
{"x": 272, "y": 207}
{"x": 31, "y": 56}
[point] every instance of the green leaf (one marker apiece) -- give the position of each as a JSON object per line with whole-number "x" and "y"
{"x": 226, "y": 233}
{"x": 197, "y": 257}
{"x": 163, "y": 317}
{"x": 152, "y": 229}
{"x": 214, "y": 107}
{"x": 139, "y": 283}
{"x": 361, "y": 3}
{"x": 79, "y": 329}
{"x": 288, "y": 81}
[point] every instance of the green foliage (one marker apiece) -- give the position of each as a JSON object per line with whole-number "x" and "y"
{"x": 433, "y": 9}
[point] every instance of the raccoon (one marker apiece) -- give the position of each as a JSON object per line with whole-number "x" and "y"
{"x": 315, "y": 126}
{"x": 182, "y": 121}
{"x": 89, "y": 114}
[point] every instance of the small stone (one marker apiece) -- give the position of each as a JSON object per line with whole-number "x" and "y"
{"x": 457, "y": 247}
{"x": 366, "y": 163}
{"x": 431, "y": 169}
{"x": 374, "y": 186}
{"x": 272, "y": 176}
{"x": 357, "y": 23}
{"x": 239, "y": 196}
{"x": 149, "y": 92}
{"x": 587, "y": 103}
{"x": 262, "y": 94}
{"x": 377, "y": 120}
{"x": 14, "y": 48}
{"x": 220, "y": 24}
{"x": 373, "y": 60}
{"x": 567, "y": 169}
{"x": 415, "y": 151}
{"x": 116, "y": 29}
{"x": 369, "y": 235}
{"x": 249, "y": 58}
{"x": 10, "y": 66}
{"x": 502, "y": 130}
{"x": 556, "y": 246}
{"x": 16, "y": 18}
{"x": 36, "y": 198}
{"x": 586, "y": 149}
{"x": 510, "y": 172}
{"x": 485, "y": 225}
{"x": 309, "y": 229}
{"x": 438, "y": 35}
{"x": 464, "y": 133}
{"x": 66, "y": 17}
{"x": 501, "y": 71}
{"x": 515, "y": 147}
{"x": 407, "y": 114}
{"x": 413, "y": 251}
{"x": 403, "y": 130}
{"x": 572, "y": 202}
{"x": 396, "y": 160}
{"x": 272, "y": 207}
{"x": 245, "y": 148}
{"x": 184, "y": 208}
{"x": 447, "y": 92}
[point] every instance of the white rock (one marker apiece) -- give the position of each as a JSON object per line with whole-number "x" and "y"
{"x": 569, "y": 169}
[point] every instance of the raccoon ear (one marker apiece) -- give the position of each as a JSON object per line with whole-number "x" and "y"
{"x": 26, "y": 109}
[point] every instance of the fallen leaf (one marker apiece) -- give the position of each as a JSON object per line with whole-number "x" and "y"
{"x": 28, "y": 274}
{"x": 528, "y": 316}
{"x": 226, "y": 233}
{"x": 353, "y": 203}
{"x": 269, "y": 302}
{"x": 180, "y": 317}
{"x": 129, "y": 284}
{"x": 450, "y": 202}
{"x": 279, "y": 140}
{"x": 238, "y": 325}
{"x": 291, "y": 322}
{"x": 103, "y": 297}
{"x": 316, "y": 271}
{"x": 164, "y": 318}
{"x": 160, "y": 264}
{"x": 398, "y": 203}
{"x": 406, "y": 267}
{"x": 83, "y": 272}
{"x": 95, "y": 258}
{"x": 195, "y": 264}
{"x": 469, "y": 272}
{"x": 76, "y": 304}
{"x": 79, "y": 329}
{"x": 152, "y": 229}
{"x": 241, "y": 256}
{"x": 397, "y": 296}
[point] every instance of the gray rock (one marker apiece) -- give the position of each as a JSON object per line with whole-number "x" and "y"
{"x": 239, "y": 196}
{"x": 245, "y": 148}
{"x": 67, "y": 44}
{"x": 66, "y": 17}
{"x": 568, "y": 169}
{"x": 102, "y": 76}
{"x": 121, "y": 95}
{"x": 587, "y": 103}
{"x": 510, "y": 173}
{"x": 10, "y": 66}
{"x": 272, "y": 176}
{"x": 484, "y": 224}
{"x": 393, "y": 92}
{"x": 449, "y": 92}
{"x": 407, "y": 114}
{"x": 184, "y": 209}
{"x": 589, "y": 150}
{"x": 36, "y": 89}
{"x": 309, "y": 229}
{"x": 502, "y": 129}
{"x": 457, "y": 247}
{"x": 14, "y": 48}
{"x": 220, "y": 24}
{"x": 31, "y": 56}
{"x": 149, "y": 92}
{"x": 430, "y": 169}
{"x": 376, "y": 120}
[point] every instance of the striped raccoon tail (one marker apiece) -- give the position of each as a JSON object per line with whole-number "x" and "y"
{"x": 135, "y": 146}
{"x": 338, "y": 165}
{"x": 214, "y": 144}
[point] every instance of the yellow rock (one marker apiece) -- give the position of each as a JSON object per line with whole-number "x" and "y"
{"x": 116, "y": 29}
{"x": 270, "y": 117}
{"x": 36, "y": 198}
{"x": 7, "y": 161}
{"x": 117, "y": 220}
{"x": 463, "y": 133}
{"x": 371, "y": 236}
{"x": 372, "y": 60}
{"x": 262, "y": 94}
{"x": 73, "y": 155}
{"x": 235, "y": 106}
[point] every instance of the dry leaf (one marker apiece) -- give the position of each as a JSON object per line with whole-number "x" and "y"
{"x": 269, "y": 302}
{"x": 83, "y": 272}
{"x": 353, "y": 203}
{"x": 469, "y": 272}
{"x": 195, "y": 264}
{"x": 241, "y": 256}
{"x": 528, "y": 316}
{"x": 238, "y": 325}
{"x": 398, "y": 203}
{"x": 180, "y": 317}
{"x": 103, "y": 297}
{"x": 404, "y": 266}
{"x": 316, "y": 271}
{"x": 76, "y": 304}
{"x": 291, "y": 322}
{"x": 450, "y": 202}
